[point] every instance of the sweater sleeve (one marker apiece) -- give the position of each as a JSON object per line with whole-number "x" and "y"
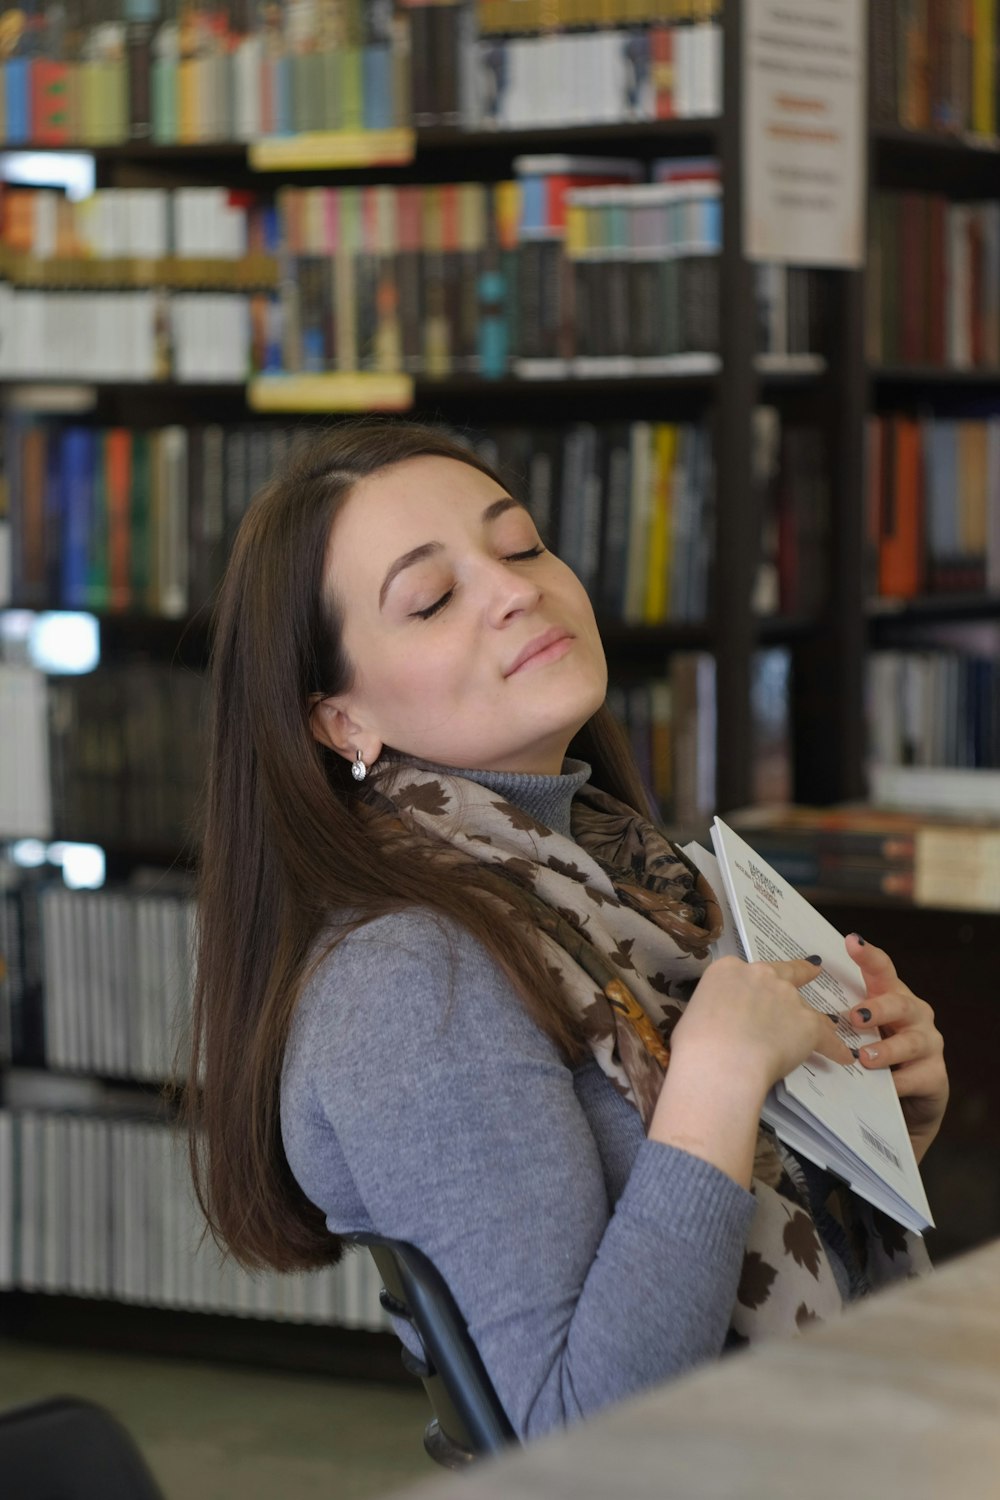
{"x": 460, "y": 1129}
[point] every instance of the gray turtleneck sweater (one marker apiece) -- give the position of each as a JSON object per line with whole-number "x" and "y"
{"x": 419, "y": 1101}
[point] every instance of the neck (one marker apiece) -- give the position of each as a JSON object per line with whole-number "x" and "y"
{"x": 547, "y": 798}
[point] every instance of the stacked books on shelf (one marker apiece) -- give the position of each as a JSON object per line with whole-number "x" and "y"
{"x": 140, "y": 521}
{"x": 935, "y": 66}
{"x": 25, "y": 795}
{"x": 97, "y": 1203}
{"x": 135, "y": 285}
{"x": 671, "y": 724}
{"x": 97, "y": 982}
{"x": 934, "y": 708}
{"x": 151, "y": 72}
{"x": 117, "y": 520}
{"x": 116, "y": 979}
{"x": 895, "y": 855}
{"x": 536, "y": 276}
{"x": 105, "y": 74}
{"x": 791, "y": 469}
{"x": 629, "y": 506}
{"x": 126, "y": 754}
{"x": 933, "y": 504}
{"x": 934, "y": 279}
{"x": 123, "y": 520}
{"x": 526, "y": 276}
{"x": 541, "y": 64}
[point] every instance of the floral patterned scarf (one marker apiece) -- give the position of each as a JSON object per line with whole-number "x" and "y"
{"x": 626, "y": 924}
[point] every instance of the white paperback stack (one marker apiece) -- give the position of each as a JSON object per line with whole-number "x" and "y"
{"x": 846, "y": 1119}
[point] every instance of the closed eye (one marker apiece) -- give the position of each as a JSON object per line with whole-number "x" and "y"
{"x": 432, "y": 609}
{"x": 439, "y": 604}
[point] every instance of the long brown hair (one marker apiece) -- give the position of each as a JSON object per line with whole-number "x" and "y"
{"x": 284, "y": 845}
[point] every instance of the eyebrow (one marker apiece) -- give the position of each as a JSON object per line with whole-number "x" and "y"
{"x": 428, "y": 549}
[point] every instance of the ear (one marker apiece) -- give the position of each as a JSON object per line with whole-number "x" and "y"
{"x": 332, "y": 725}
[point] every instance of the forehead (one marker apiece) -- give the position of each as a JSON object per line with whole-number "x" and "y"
{"x": 420, "y": 492}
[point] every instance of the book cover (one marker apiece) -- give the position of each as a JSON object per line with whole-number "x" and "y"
{"x": 77, "y": 453}
{"x": 842, "y": 1117}
{"x": 901, "y": 533}
{"x": 118, "y": 481}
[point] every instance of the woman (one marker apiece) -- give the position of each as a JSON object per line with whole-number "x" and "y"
{"x": 445, "y": 964}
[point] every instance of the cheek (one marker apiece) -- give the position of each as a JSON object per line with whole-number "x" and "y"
{"x": 417, "y": 679}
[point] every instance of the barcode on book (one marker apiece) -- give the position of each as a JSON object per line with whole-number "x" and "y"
{"x": 880, "y": 1146}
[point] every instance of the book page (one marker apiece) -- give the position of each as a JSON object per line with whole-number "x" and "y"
{"x": 845, "y": 1118}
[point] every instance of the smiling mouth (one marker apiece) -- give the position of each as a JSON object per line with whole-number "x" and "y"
{"x": 550, "y": 646}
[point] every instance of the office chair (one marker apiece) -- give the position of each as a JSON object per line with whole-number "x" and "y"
{"x": 69, "y": 1449}
{"x": 468, "y": 1420}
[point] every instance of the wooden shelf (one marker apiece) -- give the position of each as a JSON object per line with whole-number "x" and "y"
{"x": 936, "y": 375}
{"x": 952, "y": 143}
{"x": 97, "y": 1323}
{"x": 335, "y": 390}
{"x": 888, "y": 612}
{"x": 328, "y": 150}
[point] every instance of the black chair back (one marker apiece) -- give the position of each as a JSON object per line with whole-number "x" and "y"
{"x": 69, "y": 1449}
{"x": 468, "y": 1419}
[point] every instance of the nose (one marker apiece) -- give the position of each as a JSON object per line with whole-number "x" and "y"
{"x": 511, "y": 593}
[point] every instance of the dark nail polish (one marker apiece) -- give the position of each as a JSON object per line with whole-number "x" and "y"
{"x": 865, "y": 1013}
{"x": 861, "y": 940}
{"x": 814, "y": 958}
{"x": 854, "y": 1052}
{"x": 831, "y": 1017}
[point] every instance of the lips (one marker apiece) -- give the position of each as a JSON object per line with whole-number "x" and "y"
{"x": 541, "y": 643}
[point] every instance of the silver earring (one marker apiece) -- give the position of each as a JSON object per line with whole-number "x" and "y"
{"x": 359, "y": 770}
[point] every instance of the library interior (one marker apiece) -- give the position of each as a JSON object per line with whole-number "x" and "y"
{"x": 711, "y": 288}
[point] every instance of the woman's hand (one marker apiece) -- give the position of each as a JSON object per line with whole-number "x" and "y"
{"x": 751, "y": 1017}
{"x": 745, "y": 1026}
{"x": 910, "y": 1043}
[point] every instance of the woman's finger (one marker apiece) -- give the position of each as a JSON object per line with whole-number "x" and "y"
{"x": 874, "y": 963}
{"x": 897, "y": 1008}
{"x": 830, "y": 1045}
{"x": 921, "y": 1080}
{"x": 904, "y": 1046}
{"x": 797, "y": 971}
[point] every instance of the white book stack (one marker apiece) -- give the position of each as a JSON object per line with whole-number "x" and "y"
{"x": 25, "y": 805}
{"x": 103, "y": 1206}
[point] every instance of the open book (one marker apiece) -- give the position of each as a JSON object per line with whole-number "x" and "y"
{"x": 845, "y": 1119}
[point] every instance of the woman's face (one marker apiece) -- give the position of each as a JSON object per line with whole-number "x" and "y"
{"x": 471, "y": 645}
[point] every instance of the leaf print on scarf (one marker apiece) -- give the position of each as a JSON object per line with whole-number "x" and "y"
{"x": 572, "y": 917}
{"x": 805, "y": 1315}
{"x": 596, "y": 1021}
{"x": 598, "y": 897}
{"x": 572, "y": 872}
{"x": 521, "y": 869}
{"x": 756, "y": 1280}
{"x": 428, "y": 797}
{"x": 660, "y": 983}
{"x": 802, "y": 1242}
{"x": 522, "y": 821}
{"x": 621, "y": 954}
{"x": 892, "y": 1235}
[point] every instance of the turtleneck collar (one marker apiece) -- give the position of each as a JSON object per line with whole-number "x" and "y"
{"x": 546, "y": 798}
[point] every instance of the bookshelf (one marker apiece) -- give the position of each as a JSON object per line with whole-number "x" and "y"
{"x": 835, "y": 395}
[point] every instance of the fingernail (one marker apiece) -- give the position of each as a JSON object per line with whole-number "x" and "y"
{"x": 854, "y": 1052}
{"x": 831, "y": 1017}
{"x": 814, "y": 958}
{"x": 859, "y": 939}
{"x": 864, "y": 1013}
{"x": 871, "y": 1053}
